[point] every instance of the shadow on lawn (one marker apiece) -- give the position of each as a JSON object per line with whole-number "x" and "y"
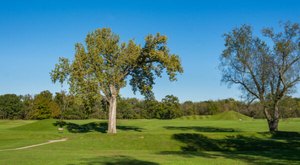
{"x": 116, "y": 160}
{"x": 93, "y": 126}
{"x": 290, "y": 136}
{"x": 249, "y": 149}
{"x": 201, "y": 129}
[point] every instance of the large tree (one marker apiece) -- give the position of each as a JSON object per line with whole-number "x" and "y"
{"x": 104, "y": 64}
{"x": 265, "y": 71}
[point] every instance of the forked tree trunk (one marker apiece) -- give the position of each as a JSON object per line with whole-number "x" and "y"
{"x": 112, "y": 121}
{"x": 273, "y": 119}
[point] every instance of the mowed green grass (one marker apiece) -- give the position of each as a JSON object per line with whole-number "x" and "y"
{"x": 151, "y": 142}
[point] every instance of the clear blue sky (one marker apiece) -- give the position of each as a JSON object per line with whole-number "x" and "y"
{"x": 33, "y": 34}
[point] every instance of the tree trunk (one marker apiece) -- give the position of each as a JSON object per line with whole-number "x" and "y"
{"x": 273, "y": 119}
{"x": 112, "y": 121}
{"x": 273, "y": 125}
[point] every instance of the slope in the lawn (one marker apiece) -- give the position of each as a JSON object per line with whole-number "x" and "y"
{"x": 230, "y": 115}
{"x": 40, "y": 125}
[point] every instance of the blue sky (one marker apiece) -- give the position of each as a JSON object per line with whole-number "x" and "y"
{"x": 33, "y": 34}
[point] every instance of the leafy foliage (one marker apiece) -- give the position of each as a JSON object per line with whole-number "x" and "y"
{"x": 10, "y": 106}
{"x": 44, "y": 107}
{"x": 106, "y": 62}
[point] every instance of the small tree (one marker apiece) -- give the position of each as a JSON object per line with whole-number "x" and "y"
{"x": 104, "y": 65}
{"x": 27, "y": 101}
{"x": 44, "y": 107}
{"x": 264, "y": 73}
{"x": 171, "y": 107}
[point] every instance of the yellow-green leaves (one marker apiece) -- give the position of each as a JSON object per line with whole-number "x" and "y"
{"x": 104, "y": 61}
{"x": 61, "y": 71}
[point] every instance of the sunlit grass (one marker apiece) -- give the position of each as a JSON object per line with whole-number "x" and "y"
{"x": 193, "y": 141}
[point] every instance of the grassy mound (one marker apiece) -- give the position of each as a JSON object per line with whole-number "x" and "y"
{"x": 195, "y": 117}
{"x": 230, "y": 115}
{"x": 40, "y": 125}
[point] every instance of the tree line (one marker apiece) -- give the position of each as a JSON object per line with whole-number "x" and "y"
{"x": 46, "y": 105}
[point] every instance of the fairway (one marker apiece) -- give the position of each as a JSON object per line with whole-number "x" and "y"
{"x": 151, "y": 142}
{"x": 150, "y": 82}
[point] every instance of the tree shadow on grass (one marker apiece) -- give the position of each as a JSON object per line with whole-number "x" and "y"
{"x": 283, "y": 135}
{"x": 202, "y": 129}
{"x": 93, "y": 126}
{"x": 116, "y": 160}
{"x": 249, "y": 149}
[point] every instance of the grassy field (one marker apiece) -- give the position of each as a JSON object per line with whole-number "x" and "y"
{"x": 189, "y": 140}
